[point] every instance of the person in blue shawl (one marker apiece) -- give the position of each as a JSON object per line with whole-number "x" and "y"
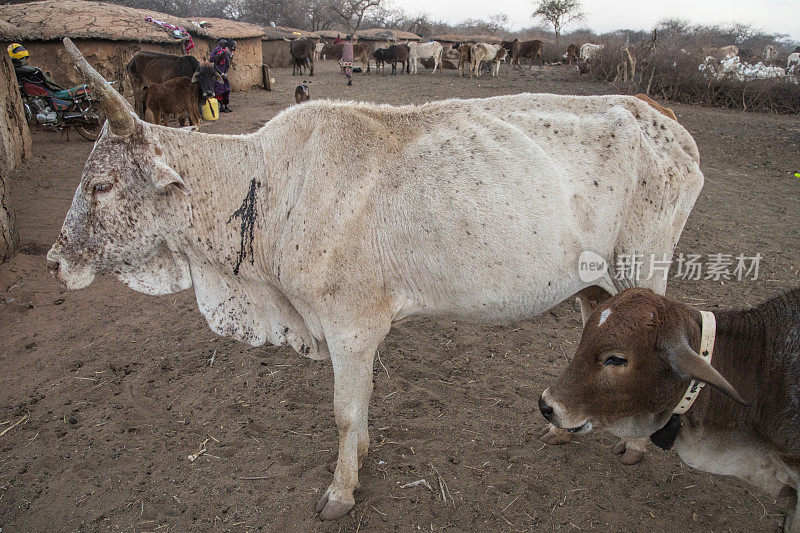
{"x": 221, "y": 57}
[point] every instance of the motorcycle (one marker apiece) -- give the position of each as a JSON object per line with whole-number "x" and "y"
{"x": 51, "y": 106}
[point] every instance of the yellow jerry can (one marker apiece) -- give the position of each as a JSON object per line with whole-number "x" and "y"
{"x": 211, "y": 109}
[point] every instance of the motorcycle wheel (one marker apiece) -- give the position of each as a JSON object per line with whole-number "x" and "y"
{"x": 29, "y": 115}
{"x": 91, "y": 132}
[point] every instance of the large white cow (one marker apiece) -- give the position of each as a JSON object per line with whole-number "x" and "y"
{"x": 337, "y": 219}
{"x": 430, "y": 50}
{"x": 590, "y": 49}
{"x": 494, "y": 53}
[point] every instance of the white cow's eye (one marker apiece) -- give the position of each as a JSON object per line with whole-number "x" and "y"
{"x": 101, "y": 187}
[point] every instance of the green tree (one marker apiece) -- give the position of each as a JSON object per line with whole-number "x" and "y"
{"x": 558, "y": 13}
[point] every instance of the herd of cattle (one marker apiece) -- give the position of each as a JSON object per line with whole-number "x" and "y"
{"x": 306, "y": 51}
{"x": 743, "y": 65}
{"x": 327, "y": 258}
{"x": 166, "y": 85}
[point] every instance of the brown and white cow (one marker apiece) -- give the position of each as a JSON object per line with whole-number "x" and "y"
{"x": 493, "y": 53}
{"x": 421, "y": 51}
{"x": 464, "y": 57}
{"x": 642, "y": 360}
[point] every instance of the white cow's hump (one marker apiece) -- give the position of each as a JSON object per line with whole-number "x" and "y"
{"x": 532, "y": 105}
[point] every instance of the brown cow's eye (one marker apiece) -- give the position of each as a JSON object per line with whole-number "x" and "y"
{"x": 615, "y": 360}
{"x": 101, "y": 187}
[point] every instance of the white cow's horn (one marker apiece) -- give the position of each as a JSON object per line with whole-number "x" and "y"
{"x": 116, "y": 107}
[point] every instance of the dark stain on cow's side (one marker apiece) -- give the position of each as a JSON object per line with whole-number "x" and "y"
{"x": 248, "y": 214}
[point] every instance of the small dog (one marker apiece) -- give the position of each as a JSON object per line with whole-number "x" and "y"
{"x": 301, "y": 94}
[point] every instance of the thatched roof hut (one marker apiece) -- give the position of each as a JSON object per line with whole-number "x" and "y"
{"x": 382, "y": 37}
{"x": 9, "y": 32}
{"x": 330, "y": 35}
{"x": 108, "y": 35}
{"x": 275, "y": 47}
{"x": 386, "y": 34}
{"x": 377, "y": 37}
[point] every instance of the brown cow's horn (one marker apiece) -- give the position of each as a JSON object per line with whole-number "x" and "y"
{"x": 116, "y": 107}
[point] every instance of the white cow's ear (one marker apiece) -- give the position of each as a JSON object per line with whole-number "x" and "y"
{"x": 163, "y": 176}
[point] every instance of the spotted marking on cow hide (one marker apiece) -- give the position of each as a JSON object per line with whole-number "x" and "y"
{"x": 604, "y": 316}
{"x": 248, "y": 213}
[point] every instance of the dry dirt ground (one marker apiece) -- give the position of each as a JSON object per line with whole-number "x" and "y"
{"x": 116, "y": 389}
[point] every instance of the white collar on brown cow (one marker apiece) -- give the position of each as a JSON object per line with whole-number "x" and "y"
{"x": 665, "y": 437}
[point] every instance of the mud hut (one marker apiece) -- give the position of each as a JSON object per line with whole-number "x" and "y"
{"x": 330, "y": 35}
{"x": 451, "y": 40}
{"x": 245, "y": 73}
{"x": 108, "y": 35}
{"x": 383, "y": 37}
{"x": 275, "y": 47}
{"x": 15, "y": 144}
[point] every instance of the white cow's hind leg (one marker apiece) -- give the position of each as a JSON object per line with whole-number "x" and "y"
{"x": 352, "y": 358}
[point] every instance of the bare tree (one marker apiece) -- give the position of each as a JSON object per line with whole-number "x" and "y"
{"x": 498, "y": 24}
{"x": 559, "y": 13}
{"x": 352, "y": 12}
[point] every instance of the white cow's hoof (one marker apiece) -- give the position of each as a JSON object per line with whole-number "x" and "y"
{"x": 330, "y": 507}
{"x": 630, "y": 451}
{"x": 553, "y": 435}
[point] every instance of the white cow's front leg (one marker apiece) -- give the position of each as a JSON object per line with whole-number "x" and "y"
{"x": 352, "y": 388}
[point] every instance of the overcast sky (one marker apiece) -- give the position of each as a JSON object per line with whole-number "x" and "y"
{"x": 778, "y": 16}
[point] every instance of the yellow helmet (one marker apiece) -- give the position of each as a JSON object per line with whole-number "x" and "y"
{"x": 17, "y": 51}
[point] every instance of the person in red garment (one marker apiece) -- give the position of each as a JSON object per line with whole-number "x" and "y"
{"x": 347, "y": 59}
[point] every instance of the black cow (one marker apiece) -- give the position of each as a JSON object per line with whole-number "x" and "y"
{"x": 302, "y": 52}
{"x": 380, "y": 58}
{"x": 148, "y": 68}
{"x": 397, "y": 53}
{"x": 518, "y": 49}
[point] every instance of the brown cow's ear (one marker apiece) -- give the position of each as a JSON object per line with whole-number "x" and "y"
{"x": 688, "y": 363}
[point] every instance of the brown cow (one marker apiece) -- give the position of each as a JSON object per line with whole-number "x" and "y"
{"x": 572, "y": 54}
{"x": 302, "y": 52}
{"x": 147, "y": 68}
{"x": 464, "y": 57}
{"x": 179, "y": 96}
{"x": 397, "y": 53}
{"x": 518, "y": 49}
{"x": 667, "y": 112}
{"x": 639, "y": 370}
{"x": 360, "y": 52}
